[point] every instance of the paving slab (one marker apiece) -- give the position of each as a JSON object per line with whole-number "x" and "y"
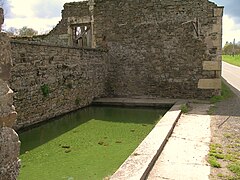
{"x": 184, "y": 156}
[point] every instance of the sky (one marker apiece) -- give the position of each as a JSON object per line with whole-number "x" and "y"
{"x": 43, "y": 15}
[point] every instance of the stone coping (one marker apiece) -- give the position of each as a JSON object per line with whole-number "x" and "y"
{"x": 136, "y": 101}
{"x": 140, "y": 162}
{"x": 37, "y": 43}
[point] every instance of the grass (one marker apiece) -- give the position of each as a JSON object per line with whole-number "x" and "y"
{"x": 225, "y": 94}
{"x": 215, "y": 153}
{"x": 235, "y": 168}
{"x": 184, "y": 108}
{"x": 93, "y": 149}
{"x": 214, "y": 162}
{"x": 227, "y": 135}
{"x": 231, "y": 157}
{"x": 235, "y": 60}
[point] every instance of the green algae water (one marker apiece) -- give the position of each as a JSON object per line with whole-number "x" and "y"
{"x": 87, "y": 144}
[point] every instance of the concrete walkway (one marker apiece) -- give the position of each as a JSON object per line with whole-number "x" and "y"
{"x": 184, "y": 156}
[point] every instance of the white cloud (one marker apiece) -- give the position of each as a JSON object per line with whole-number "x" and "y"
{"x": 24, "y": 14}
{"x": 22, "y": 9}
{"x": 231, "y": 30}
{"x": 39, "y": 24}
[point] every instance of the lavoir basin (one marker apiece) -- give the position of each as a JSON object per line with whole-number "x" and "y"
{"x": 87, "y": 144}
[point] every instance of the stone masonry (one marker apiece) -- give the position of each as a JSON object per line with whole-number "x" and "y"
{"x": 49, "y": 81}
{"x": 157, "y": 48}
{"x": 9, "y": 142}
{"x": 152, "y": 48}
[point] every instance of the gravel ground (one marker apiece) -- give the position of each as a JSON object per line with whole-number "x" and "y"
{"x": 225, "y": 128}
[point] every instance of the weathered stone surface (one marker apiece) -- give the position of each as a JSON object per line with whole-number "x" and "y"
{"x": 1, "y": 18}
{"x": 211, "y": 65}
{"x": 9, "y": 142}
{"x": 9, "y": 152}
{"x": 156, "y": 48}
{"x": 3, "y": 87}
{"x": 8, "y": 121}
{"x": 5, "y": 59}
{"x": 209, "y": 84}
{"x": 72, "y": 77}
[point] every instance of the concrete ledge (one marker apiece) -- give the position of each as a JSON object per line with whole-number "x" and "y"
{"x": 140, "y": 162}
{"x": 136, "y": 101}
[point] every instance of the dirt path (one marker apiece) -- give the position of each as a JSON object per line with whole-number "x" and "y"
{"x": 225, "y": 127}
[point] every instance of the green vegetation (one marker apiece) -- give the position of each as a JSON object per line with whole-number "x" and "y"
{"x": 45, "y": 90}
{"x": 184, "y": 108}
{"x": 211, "y": 110}
{"x": 88, "y": 144}
{"x": 225, "y": 93}
{"x": 215, "y": 153}
{"x": 235, "y": 60}
{"x": 220, "y": 175}
{"x": 69, "y": 85}
{"x": 231, "y": 48}
{"x": 22, "y": 32}
{"x": 235, "y": 168}
{"x": 231, "y": 156}
{"x": 214, "y": 162}
{"x": 77, "y": 101}
{"x": 227, "y": 135}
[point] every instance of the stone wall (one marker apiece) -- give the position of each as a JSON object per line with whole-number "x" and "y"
{"x": 157, "y": 48}
{"x": 59, "y": 34}
{"x": 9, "y": 142}
{"x": 52, "y": 80}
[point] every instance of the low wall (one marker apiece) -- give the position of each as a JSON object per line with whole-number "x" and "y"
{"x": 52, "y": 80}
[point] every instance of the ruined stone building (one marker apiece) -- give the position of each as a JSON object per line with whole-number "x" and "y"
{"x": 118, "y": 48}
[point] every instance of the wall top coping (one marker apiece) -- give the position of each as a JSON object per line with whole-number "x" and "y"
{"x": 57, "y": 46}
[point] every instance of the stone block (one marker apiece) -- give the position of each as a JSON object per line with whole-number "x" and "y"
{"x": 216, "y": 28}
{"x": 211, "y": 65}
{"x": 9, "y": 120}
{"x": 217, "y": 43}
{"x": 78, "y": 20}
{"x": 9, "y": 152}
{"x": 209, "y": 84}
{"x": 3, "y": 87}
{"x": 5, "y": 71}
{"x": 63, "y": 36}
{"x": 218, "y": 12}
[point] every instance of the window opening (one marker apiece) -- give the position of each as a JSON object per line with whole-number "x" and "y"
{"x": 82, "y": 35}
